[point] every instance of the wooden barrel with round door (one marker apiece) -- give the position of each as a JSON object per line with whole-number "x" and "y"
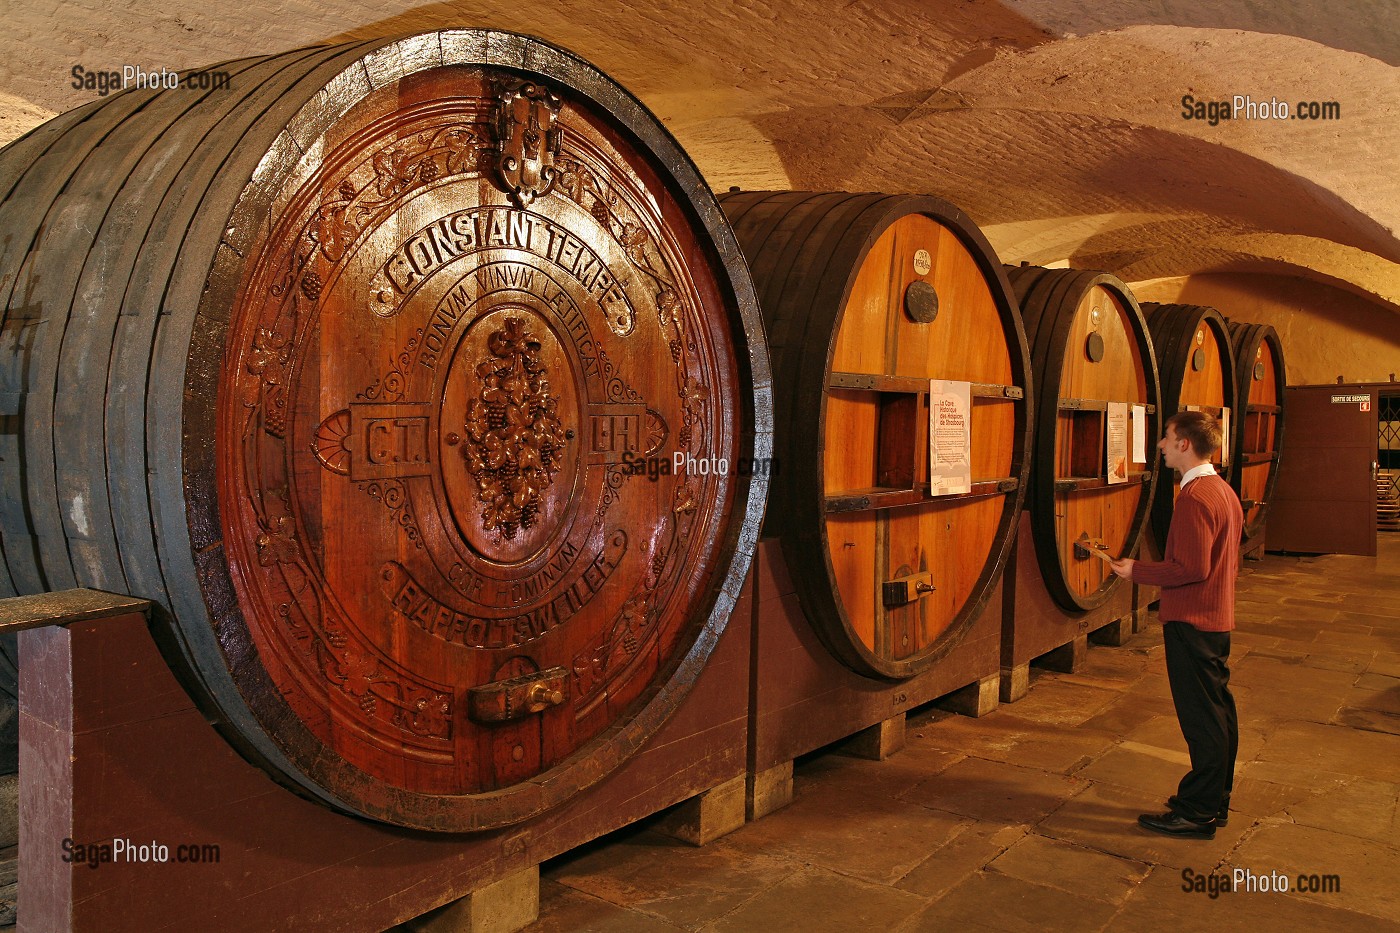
{"x": 879, "y": 308}
{"x": 357, "y": 366}
{"x": 1096, "y": 386}
{"x": 1258, "y": 430}
{"x": 1196, "y": 363}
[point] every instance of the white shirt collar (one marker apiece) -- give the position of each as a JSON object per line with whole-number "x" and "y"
{"x": 1205, "y": 469}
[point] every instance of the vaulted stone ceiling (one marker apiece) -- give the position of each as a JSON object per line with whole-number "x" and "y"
{"x": 1056, "y": 125}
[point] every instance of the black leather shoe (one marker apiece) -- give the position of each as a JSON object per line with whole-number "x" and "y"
{"x": 1171, "y": 824}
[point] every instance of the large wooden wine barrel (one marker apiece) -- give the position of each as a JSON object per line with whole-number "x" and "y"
{"x": 1196, "y": 363}
{"x": 1092, "y": 356}
{"x": 867, "y": 298}
{"x": 1258, "y": 431}
{"x": 371, "y": 369}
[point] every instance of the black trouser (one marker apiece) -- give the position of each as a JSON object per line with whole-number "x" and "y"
{"x": 1205, "y": 709}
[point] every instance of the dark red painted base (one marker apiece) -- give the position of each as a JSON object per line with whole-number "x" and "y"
{"x": 112, "y": 747}
{"x": 1033, "y": 624}
{"x": 803, "y": 698}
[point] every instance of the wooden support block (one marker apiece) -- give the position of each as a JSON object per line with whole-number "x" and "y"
{"x": 510, "y": 904}
{"x": 769, "y": 790}
{"x": 878, "y": 742}
{"x": 1067, "y": 658}
{"x": 708, "y": 815}
{"x": 975, "y": 700}
{"x": 1015, "y": 682}
{"x": 1115, "y": 634}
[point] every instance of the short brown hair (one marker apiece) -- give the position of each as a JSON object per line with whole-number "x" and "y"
{"x": 1202, "y": 430}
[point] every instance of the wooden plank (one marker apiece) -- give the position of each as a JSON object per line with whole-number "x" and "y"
{"x": 859, "y": 500}
{"x": 1097, "y": 404}
{"x": 64, "y": 608}
{"x": 913, "y": 384}
{"x": 1081, "y": 483}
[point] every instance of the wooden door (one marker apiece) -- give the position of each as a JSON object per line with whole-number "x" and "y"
{"x": 1325, "y": 501}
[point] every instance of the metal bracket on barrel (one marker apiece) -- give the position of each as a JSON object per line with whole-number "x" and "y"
{"x": 1086, "y": 547}
{"x": 905, "y": 590}
{"x": 518, "y": 697}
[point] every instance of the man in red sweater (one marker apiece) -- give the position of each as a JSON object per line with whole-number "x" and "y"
{"x": 1197, "y": 609}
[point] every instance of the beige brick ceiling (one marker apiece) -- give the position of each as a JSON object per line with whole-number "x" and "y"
{"x": 1055, "y": 124}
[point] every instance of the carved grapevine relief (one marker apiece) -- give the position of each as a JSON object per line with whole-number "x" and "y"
{"x": 514, "y": 440}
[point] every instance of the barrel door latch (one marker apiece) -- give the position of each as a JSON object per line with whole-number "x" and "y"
{"x": 518, "y": 697}
{"x": 905, "y": 590}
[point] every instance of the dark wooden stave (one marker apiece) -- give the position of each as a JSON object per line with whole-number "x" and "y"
{"x": 805, "y": 250}
{"x": 1049, "y": 300}
{"x": 1247, "y": 339}
{"x": 88, "y": 297}
{"x": 20, "y": 224}
{"x": 183, "y": 217}
{"x": 119, "y": 197}
{"x": 169, "y": 302}
{"x": 1173, "y": 328}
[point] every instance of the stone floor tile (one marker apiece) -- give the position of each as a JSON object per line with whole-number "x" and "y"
{"x": 1104, "y": 817}
{"x": 1367, "y": 719}
{"x": 1161, "y": 732}
{"x": 817, "y": 901}
{"x": 1131, "y": 711}
{"x": 682, "y": 884}
{"x": 1370, "y": 809}
{"x": 966, "y": 854}
{"x": 1004, "y": 736}
{"x": 1144, "y": 768}
{"x": 1350, "y": 661}
{"x": 993, "y": 790}
{"x": 1062, "y": 703}
{"x": 1367, "y": 868}
{"x": 1384, "y": 663}
{"x": 873, "y": 837}
{"x": 1337, "y": 749}
{"x": 1160, "y": 905}
{"x": 1375, "y": 691}
{"x": 891, "y": 777}
{"x": 1002, "y": 902}
{"x": 565, "y": 910}
{"x": 1080, "y": 871}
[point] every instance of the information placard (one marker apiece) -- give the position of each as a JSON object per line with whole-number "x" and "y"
{"x": 1117, "y": 443}
{"x": 949, "y": 437}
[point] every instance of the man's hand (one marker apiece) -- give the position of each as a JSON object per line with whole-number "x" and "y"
{"x": 1124, "y": 567}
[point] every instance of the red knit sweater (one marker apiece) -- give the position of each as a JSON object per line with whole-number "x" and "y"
{"x": 1197, "y": 574}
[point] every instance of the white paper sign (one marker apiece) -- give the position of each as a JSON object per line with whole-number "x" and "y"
{"x": 1139, "y": 433}
{"x": 1117, "y": 443}
{"x": 949, "y": 437}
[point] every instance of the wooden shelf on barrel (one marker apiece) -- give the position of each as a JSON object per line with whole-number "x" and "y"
{"x": 886, "y": 497}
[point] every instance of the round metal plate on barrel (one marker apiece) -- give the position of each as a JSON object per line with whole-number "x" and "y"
{"x": 1094, "y": 347}
{"x": 921, "y": 302}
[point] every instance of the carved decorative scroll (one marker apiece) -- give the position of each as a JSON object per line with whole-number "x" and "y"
{"x": 527, "y": 138}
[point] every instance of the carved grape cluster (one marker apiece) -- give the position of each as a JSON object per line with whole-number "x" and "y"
{"x": 515, "y": 441}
